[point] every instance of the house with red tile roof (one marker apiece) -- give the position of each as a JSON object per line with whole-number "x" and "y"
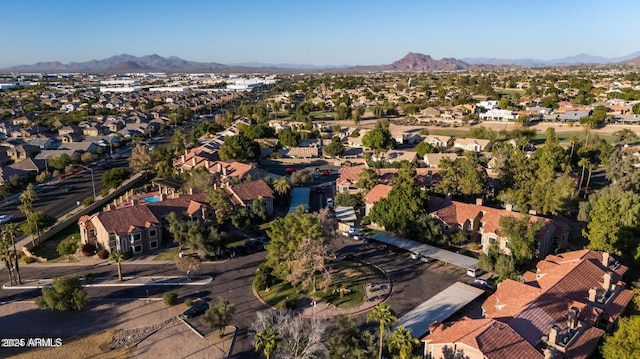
{"x": 377, "y": 193}
{"x": 136, "y": 226}
{"x": 349, "y": 177}
{"x": 482, "y": 223}
{"x": 228, "y": 171}
{"x": 561, "y": 311}
{"x": 243, "y": 194}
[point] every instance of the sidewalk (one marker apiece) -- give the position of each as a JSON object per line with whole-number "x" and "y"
{"x": 127, "y": 281}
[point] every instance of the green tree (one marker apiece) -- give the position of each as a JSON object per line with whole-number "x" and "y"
{"x": 219, "y": 315}
{"x": 423, "y": 148}
{"x": 463, "y": 176}
{"x": 521, "y": 236}
{"x": 382, "y": 314}
{"x": 367, "y": 179}
{"x": 36, "y": 222}
{"x": 288, "y": 138}
{"x": 403, "y": 212}
{"x": 624, "y": 343}
{"x": 9, "y": 233}
{"x": 239, "y": 148}
{"x": 66, "y": 293}
{"x": 379, "y": 138}
{"x": 613, "y": 218}
{"x": 282, "y": 186}
{"x": 334, "y": 149}
{"x": 118, "y": 257}
{"x": 403, "y": 341}
{"x": 200, "y": 180}
{"x": 219, "y": 200}
{"x": 68, "y": 247}
{"x": 348, "y": 200}
{"x": 59, "y": 163}
{"x": 115, "y": 177}
{"x": 287, "y": 234}
{"x": 266, "y": 340}
{"x": 7, "y": 256}
{"x": 346, "y": 340}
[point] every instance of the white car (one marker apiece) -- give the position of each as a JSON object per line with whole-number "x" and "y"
{"x": 474, "y": 272}
{"x": 330, "y": 202}
{"x": 5, "y": 218}
{"x": 355, "y": 233}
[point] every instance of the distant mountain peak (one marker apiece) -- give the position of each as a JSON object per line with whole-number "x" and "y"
{"x": 414, "y": 61}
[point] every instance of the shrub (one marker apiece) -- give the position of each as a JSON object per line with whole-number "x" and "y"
{"x": 170, "y": 299}
{"x": 89, "y": 278}
{"x": 260, "y": 282}
{"x": 188, "y": 302}
{"x": 104, "y": 192}
{"x": 89, "y": 249}
{"x": 103, "y": 254}
{"x": 290, "y": 303}
{"x": 87, "y": 201}
{"x": 475, "y": 246}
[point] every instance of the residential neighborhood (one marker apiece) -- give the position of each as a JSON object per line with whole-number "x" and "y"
{"x": 476, "y": 213}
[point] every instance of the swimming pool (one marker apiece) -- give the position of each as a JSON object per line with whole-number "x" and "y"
{"x": 151, "y": 199}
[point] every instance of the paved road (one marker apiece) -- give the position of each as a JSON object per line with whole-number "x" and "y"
{"x": 413, "y": 283}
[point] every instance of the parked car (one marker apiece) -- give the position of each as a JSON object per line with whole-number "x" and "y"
{"x": 481, "y": 283}
{"x": 474, "y": 272}
{"x": 326, "y": 172}
{"x": 197, "y": 309}
{"x": 417, "y": 256}
{"x": 290, "y": 170}
{"x": 355, "y": 233}
{"x": 5, "y": 218}
{"x": 393, "y": 249}
{"x": 330, "y": 202}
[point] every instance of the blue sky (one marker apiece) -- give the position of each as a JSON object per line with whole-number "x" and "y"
{"x": 357, "y": 32}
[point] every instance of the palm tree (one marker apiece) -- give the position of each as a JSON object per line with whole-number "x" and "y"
{"x": 573, "y": 140}
{"x": 584, "y": 162}
{"x": 27, "y": 197}
{"x": 282, "y": 186}
{"x": 590, "y": 167}
{"x": 9, "y": 232}
{"x": 402, "y": 340}
{"x": 267, "y": 340}
{"x": 117, "y": 256}
{"x": 5, "y": 254}
{"x": 381, "y": 313}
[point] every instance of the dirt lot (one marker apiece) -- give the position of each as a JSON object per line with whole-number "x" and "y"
{"x": 81, "y": 332}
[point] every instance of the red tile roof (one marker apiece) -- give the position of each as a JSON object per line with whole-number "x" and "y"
{"x": 123, "y": 219}
{"x": 377, "y": 192}
{"x": 494, "y": 339}
{"x": 245, "y": 193}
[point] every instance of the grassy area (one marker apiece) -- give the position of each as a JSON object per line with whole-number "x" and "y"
{"x": 49, "y": 249}
{"x": 168, "y": 255}
{"x": 347, "y": 275}
{"x": 319, "y": 115}
{"x": 509, "y": 91}
{"x": 82, "y": 347}
{"x": 448, "y": 132}
{"x": 565, "y": 137}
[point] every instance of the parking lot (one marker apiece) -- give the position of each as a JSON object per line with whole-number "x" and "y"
{"x": 414, "y": 281}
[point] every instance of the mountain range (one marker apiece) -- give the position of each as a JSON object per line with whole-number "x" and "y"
{"x": 411, "y": 62}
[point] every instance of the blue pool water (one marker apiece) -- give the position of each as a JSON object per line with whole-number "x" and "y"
{"x": 151, "y": 199}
